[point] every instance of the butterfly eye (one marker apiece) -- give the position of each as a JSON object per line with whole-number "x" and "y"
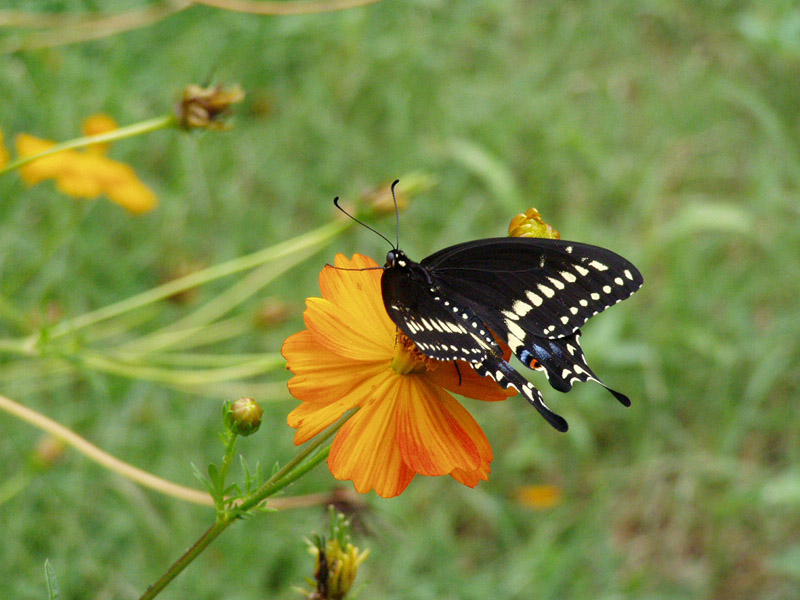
{"x": 391, "y": 258}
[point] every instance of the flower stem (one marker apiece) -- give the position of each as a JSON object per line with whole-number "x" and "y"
{"x": 154, "y": 124}
{"x": 312, "y": 239}
{"x": 293, "y": 470}
{"x": 230, "y": 449}
{"x": 179, "y": 565}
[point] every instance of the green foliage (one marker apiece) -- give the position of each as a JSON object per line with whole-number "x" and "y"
{"x": 666, "y": 130}
{"x": 53, "y": 591}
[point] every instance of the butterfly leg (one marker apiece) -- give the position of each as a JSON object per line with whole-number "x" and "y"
{"x": 505, "y": 375}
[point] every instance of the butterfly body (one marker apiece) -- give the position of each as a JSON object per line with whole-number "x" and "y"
{"x": 533, "y": 293}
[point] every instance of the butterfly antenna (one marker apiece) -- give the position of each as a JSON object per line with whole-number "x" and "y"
{"x": 336, "y": 203}
{"x": 396, "y": 214}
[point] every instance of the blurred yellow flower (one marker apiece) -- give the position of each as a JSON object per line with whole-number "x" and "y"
{"x": 539, "y": 497}
{"x": 97, "y": 124}
{"x": 86, "y": 174}
{"x": 3, "y": 151}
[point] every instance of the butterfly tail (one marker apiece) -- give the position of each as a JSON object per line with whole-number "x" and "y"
{"x": 563, "y": 362}
{"x": 505, "y": 375}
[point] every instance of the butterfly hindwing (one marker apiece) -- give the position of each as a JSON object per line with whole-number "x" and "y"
{"x": 563, "y": 362}
{"x": 505, "y": 375}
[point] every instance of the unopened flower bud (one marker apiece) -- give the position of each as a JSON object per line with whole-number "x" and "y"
{"x": 273, "y": 312}
{"x": 381, "y": 200}
{"x": 48, "y": 450}
{"x": 243, "y": 417}
{"x": 207, "y": 107}
{"x": 336, "y": 561}
{"x": 531, "y": 224}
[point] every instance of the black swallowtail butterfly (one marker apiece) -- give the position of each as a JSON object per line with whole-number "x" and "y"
{"x": 533, "y": 293}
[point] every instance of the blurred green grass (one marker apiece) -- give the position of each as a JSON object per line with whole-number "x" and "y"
{"x": 666, "y": 130}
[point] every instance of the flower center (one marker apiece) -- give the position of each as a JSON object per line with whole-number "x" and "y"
{"x": 408, "y": 359}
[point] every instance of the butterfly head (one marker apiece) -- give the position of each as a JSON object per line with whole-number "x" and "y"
{"x": 395, "y": 258}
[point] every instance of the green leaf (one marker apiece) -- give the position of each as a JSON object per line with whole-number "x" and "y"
{"x": 53, "y": 591}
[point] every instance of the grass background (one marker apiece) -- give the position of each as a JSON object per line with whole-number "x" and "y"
{"x": 667, "y": 130}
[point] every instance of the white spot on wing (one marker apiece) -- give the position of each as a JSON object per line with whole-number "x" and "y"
{"x": 521, "y": 308}
{"x": 515, "y": 330}
{"x": 536, "y": 299}
{"x": 546, "y": 290}
{"x": 598, "y": 265}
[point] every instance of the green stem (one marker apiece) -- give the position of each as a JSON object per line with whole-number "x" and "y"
{"x": 309, "y": 240}
{"x": 230, "y": 449}
{"x": 179, "y": 565}
{"x": 286, "y": 475}
{"x": 13, "y": 346}
{"x": 218, "y": 306}
{"x": 113, "y": 365}
{"x": 118, "y": 134}
{"x": 294, "y": 469}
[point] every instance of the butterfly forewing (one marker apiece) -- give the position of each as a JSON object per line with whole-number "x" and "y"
{"x": 534, "y": 286}
{"x": 441, "y": 328}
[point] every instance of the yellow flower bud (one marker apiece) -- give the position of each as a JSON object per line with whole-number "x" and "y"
{"x": 531, "y": 224}
{"x": 243, "y": 416}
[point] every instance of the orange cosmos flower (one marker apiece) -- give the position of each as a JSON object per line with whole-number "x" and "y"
{"x": 352, "y": 355}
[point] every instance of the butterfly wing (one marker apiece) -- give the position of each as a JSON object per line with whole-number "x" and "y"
{"x": 445, "y": 329}
{"x": 542, "y": 287}
{"x": 440, "y": 328}
{"x": 563, "y": 362}
{"x": 536, "y": 293}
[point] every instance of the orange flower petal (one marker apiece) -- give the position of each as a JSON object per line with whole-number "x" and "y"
{"x": 320, "y": 375}
{"x": 365, "y": 452}
{"x": 470, "y": 384}
{"x": 357, "y": 298}
{"x": 434, "y": 432}
{"x": 345, "y": 333}
{"x": 358, "y": 292}
{"x": 471, "y": 478}
{"x": 407, "y": 423}
{"x": 311, "y": 418}
{"x": 360, "y": 392}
